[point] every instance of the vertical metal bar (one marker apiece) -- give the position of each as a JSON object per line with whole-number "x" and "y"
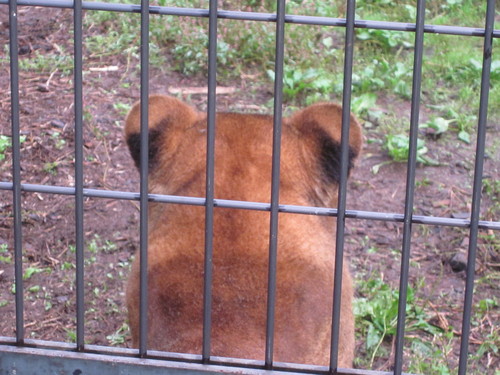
{"x": 210, "y": 173}
{"x": 78, "y": 66}
{"x": 143, "y": 299}
{"x": 478, "y": 176}
{"x": 344, "y": 163}
{"x": 275, "y": 182}
{"x": 410, "y": 185}
{"x": 16, "y": 170}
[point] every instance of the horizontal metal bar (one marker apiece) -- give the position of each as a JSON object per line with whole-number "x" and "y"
{"x": 47, "y": 355}
{"x": 263, "y": 17}
{"x": 255, "y": 206}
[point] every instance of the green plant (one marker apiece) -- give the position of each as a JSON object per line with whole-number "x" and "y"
{"x": 39, "y": 62}
{"x": 51, "y": 167}
{"x": 385, "y": 38}
{"x": 398, "y": 147}
{"x": 96, "y": 243}
{"x": 71, "y": 334}
{"x": 364, "y": 104}
{"x": 58, "y": 140}
{"x": 118, "y": 338}
{"x": 297, "y": 82}
{"x": 5, "y": 144}
{"x": 376, "y": 312}
{"x": 122, "y": 108}
{"x": 34, "y": 289}
{"x": 30, "y": 271}
{"x": 5, "y": 257}
{"x": 426, "y": 358}
{"x": 439, "y": 124}
{"x": 484, "y": 318}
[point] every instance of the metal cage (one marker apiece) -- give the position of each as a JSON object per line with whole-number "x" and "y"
{"x": 21, "y": 355}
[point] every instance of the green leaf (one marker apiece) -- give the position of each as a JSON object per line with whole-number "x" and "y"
{"x": 363, "y": 103}
{"x": 30, "y": 271}
{"x": 439, "y": 124}
{"x": 464, "y": 136}
{"x": 372, "y": 337}
{"x": 328, "y": 42}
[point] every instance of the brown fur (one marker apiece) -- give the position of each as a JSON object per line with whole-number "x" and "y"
{"x": 306, "y": 243}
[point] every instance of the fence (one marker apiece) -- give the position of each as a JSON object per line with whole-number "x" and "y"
{"x": 21, "y": 355}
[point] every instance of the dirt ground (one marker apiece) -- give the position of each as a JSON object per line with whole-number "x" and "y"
{"x": 111, "y": 226}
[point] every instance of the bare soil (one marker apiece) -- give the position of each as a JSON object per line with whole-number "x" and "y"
{"x": 111, "y": 226}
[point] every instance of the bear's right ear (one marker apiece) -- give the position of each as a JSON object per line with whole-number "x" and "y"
{"x": 165, "y": 114}
{"x": 319, "y": 125}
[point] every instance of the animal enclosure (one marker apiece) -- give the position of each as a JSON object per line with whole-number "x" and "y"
{"x": 79, "y": 192}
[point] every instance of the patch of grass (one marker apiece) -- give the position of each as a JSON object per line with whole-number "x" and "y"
{"x": 71, "y": 334}
{"x": 122, "y": 108}
{"x": 97, "y": 244}
{"x": 398, "y": 147}
{"x": 39, "y": 62}
{"x": 30, "y": 271}
{"x": 5, "y": 257}
{"x": 51, "y": 167}
{"x": 314, "y": 55}
{"x": 485, "y": 318}
{"x": 376, "y": 312}
{"x": 6, "y": 144}
{"x": 429, "y": 358}
{"x": 119, "y": 337}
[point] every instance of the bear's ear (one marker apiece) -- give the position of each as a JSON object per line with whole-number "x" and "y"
{"x": 165, "y": 114}
{"x": 321, "y": 124}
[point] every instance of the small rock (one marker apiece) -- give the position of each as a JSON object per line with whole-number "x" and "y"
{"x": 458, "y": 262}
{"x": 62, "y": 299}
{"x": 57, "y": 124}
{"x": 24, "y": 50}
{"x": 42, "y": 88}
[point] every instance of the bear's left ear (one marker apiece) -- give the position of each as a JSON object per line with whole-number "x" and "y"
{"x": 321, "y": 124}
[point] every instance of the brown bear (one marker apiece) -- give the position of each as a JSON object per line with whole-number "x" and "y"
{"x": 310, "y": 167}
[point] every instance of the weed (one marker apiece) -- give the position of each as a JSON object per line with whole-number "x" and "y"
{"x": 30, "y": 271}
{"x": 485, "y": 315}
{"x": 51, "y": 167}
{"x": 119, "y": 337}
{"x": 5, "y": 144}
{"x": 71, "y": 334}
{"x": 67, "y": 266}
{"x": 297, "y": 82}
{"x": 97, "y": 243}
{"x": 398, "y": 147}
{"x": 491, "y": 188}
{"x": 58, "y": 140}
{"x": 5, "y": 257}
{"x": 376, "y": 313}
{"x": 364, "y": 104}
{"x": 423, "y": 183}
{"x": 439, "y": 124}
{"x": 34, "y": 289}
{"x": 385, "y": 39}
{"x": 39, "y": 62}
{"x": 122, "y": 108}
{"x": 425, "y": 358}
{"x": 93, "y": 246}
